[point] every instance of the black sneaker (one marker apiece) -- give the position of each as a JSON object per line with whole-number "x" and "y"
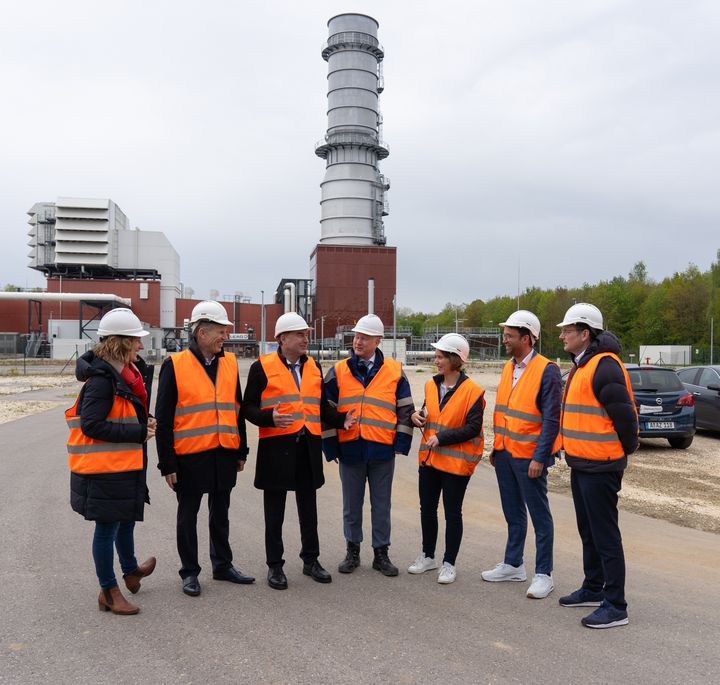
{"x": 582, "y": 598}
{"x": 606, "y": 616}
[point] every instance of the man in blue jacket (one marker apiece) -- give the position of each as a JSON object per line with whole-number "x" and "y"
{"x": 380, "y": 393}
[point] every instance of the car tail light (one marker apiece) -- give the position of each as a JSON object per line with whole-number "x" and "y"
{"x": 686, "y": 400}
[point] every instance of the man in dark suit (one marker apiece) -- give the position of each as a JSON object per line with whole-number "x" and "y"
{"x": 286, "y": 400}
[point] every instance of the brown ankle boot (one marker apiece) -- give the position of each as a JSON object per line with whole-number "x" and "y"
{"x": 112, "y": 600}
{"x": 132, "y": 580}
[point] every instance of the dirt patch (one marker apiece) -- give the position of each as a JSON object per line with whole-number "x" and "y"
{"x": 17, "y": 409}
{"x": 11, "y": 385}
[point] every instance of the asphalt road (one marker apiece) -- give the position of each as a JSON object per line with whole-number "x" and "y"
{"x": 362, "y": 628}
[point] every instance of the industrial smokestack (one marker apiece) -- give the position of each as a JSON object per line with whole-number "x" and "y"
{"x": 371, "y": 295}
{"x": 353, "y": 191}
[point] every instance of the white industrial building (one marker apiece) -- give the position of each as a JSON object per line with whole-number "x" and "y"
{"x": 88, "y": 237}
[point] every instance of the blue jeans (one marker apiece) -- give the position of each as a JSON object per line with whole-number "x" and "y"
{"x": 379, "y": 477}
{"x": 119, "y": 534}
{"x": 520, "y": 494}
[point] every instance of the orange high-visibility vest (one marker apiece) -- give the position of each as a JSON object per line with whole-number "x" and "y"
{"x": 88, "y": 455}
{"x": 460, "y": 458}
{"x": 375, "y": 405}
{"x": 303, "y": 404}
{"x": 586, "y": 429}
{"x": 206, "y": 413}
{"x": 517, "y": 420}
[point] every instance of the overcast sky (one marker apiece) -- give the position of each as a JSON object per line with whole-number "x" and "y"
{"x": 567, "y": 139}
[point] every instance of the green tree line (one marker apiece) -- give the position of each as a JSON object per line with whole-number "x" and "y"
{"x": 640, "y": 311}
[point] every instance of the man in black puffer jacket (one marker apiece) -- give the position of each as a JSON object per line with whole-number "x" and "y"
{"x": 599, "y": 428}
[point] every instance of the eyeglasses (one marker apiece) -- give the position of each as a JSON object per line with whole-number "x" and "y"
{"x": 566, "y": 330}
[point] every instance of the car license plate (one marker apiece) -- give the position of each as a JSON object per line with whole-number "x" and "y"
{"x": 661, "y": 425}
{"x": 650, "y": 409}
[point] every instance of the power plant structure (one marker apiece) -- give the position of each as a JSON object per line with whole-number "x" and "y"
{"x": 352, "y": 248}
{"x": 93, "y": 260}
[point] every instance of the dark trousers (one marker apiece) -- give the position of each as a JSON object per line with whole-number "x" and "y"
{"x": 187, "y": 542}
{"x": 431, "y": 483}
{"x": 121, "y": 535}
{"x": 274, "y": 503}
{"x": 379, "y": 477}
{"x": 520, "y": 494}
{"x": 595, "y": 496}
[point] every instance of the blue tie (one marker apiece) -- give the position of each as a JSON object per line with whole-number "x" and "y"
{"x": 295, "y": 372}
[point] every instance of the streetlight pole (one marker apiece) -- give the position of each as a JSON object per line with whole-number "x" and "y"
{"x": 262, "y": 322}
{"x": 322, "y": 336}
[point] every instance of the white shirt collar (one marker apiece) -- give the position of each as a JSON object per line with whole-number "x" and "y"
{"x": 524, "y": 362}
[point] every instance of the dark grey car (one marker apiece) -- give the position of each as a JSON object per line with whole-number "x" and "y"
{"x": 704, "y": 383}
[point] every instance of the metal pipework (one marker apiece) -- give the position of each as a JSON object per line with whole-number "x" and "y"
{"x": 371, "y": 295}
{"x": 353, "y": 191}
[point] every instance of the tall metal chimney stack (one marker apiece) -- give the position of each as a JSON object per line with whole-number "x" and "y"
{"x": 353, "y": 190}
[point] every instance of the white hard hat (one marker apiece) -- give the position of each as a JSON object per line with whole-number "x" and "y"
{"x": 370, "y": 324}
{"x": 209, "y": 310}
{"x": 121, "y": 321}
{"x": 291, "y": 321}
{"x": 582, "y": 312}
{"x": 524, "y": 319}
{"x": 453, "y": 342}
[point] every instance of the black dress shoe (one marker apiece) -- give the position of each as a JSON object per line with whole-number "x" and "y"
{"x": 276, "y": 578}
{"x": 317, "y": 572}
{"x": 234, "y": 575}
{"x": 191, "y": 586}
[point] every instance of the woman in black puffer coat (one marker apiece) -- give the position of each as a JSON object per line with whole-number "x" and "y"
{"x": 109, "y": 427}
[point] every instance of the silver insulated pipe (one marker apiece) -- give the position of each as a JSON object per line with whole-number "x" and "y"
{"x": 353, "y": 191}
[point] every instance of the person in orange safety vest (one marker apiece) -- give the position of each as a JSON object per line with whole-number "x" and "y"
{"x": 452, "y": 446}
{"x": 286, "y": 400}
{"x": 107, "y": 454}
{"x": 599, "y": 429}
{"x": 201, "y": 441}
{"x": 526, "y": 425}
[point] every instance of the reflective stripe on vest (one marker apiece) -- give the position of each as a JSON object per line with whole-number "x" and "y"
{"x": 303, "y": 405}
{"x": 586, "y": 429}
{"x": 517, "y": 421}
{"x": 460, "y": 458}
{"x": 88, "y": 455}
{"x": 375, "y": 405}
{"x": 206, "y": 413}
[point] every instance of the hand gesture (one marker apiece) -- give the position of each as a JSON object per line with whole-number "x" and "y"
{"x": 432, "y": 441}
{"x": 281, "y": 420}
{"x": 418, "y": 419}
{"x": 240, "y": 465}
{"x": 171, "y": 480}
{"x": 151, "y": 426}
{"x": 350, "y": 419}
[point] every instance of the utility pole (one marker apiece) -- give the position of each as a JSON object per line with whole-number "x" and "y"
{"x": 395, "y": 326}
{"x": 712, "y": 336}
{"x": 322, "y": 336}
{"x": 262, "y": 322}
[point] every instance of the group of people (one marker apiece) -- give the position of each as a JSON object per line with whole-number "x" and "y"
{"x": 360, "y": 414}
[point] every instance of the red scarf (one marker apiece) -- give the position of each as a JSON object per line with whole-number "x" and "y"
{"x": 135, "y": 382}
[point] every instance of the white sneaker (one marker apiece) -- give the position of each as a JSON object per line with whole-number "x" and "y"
{"x": 505, "y": 572}
{"x": 542, "y": 585}
{"x": 447, "y": 573}
{"x": 422, "y": 564}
